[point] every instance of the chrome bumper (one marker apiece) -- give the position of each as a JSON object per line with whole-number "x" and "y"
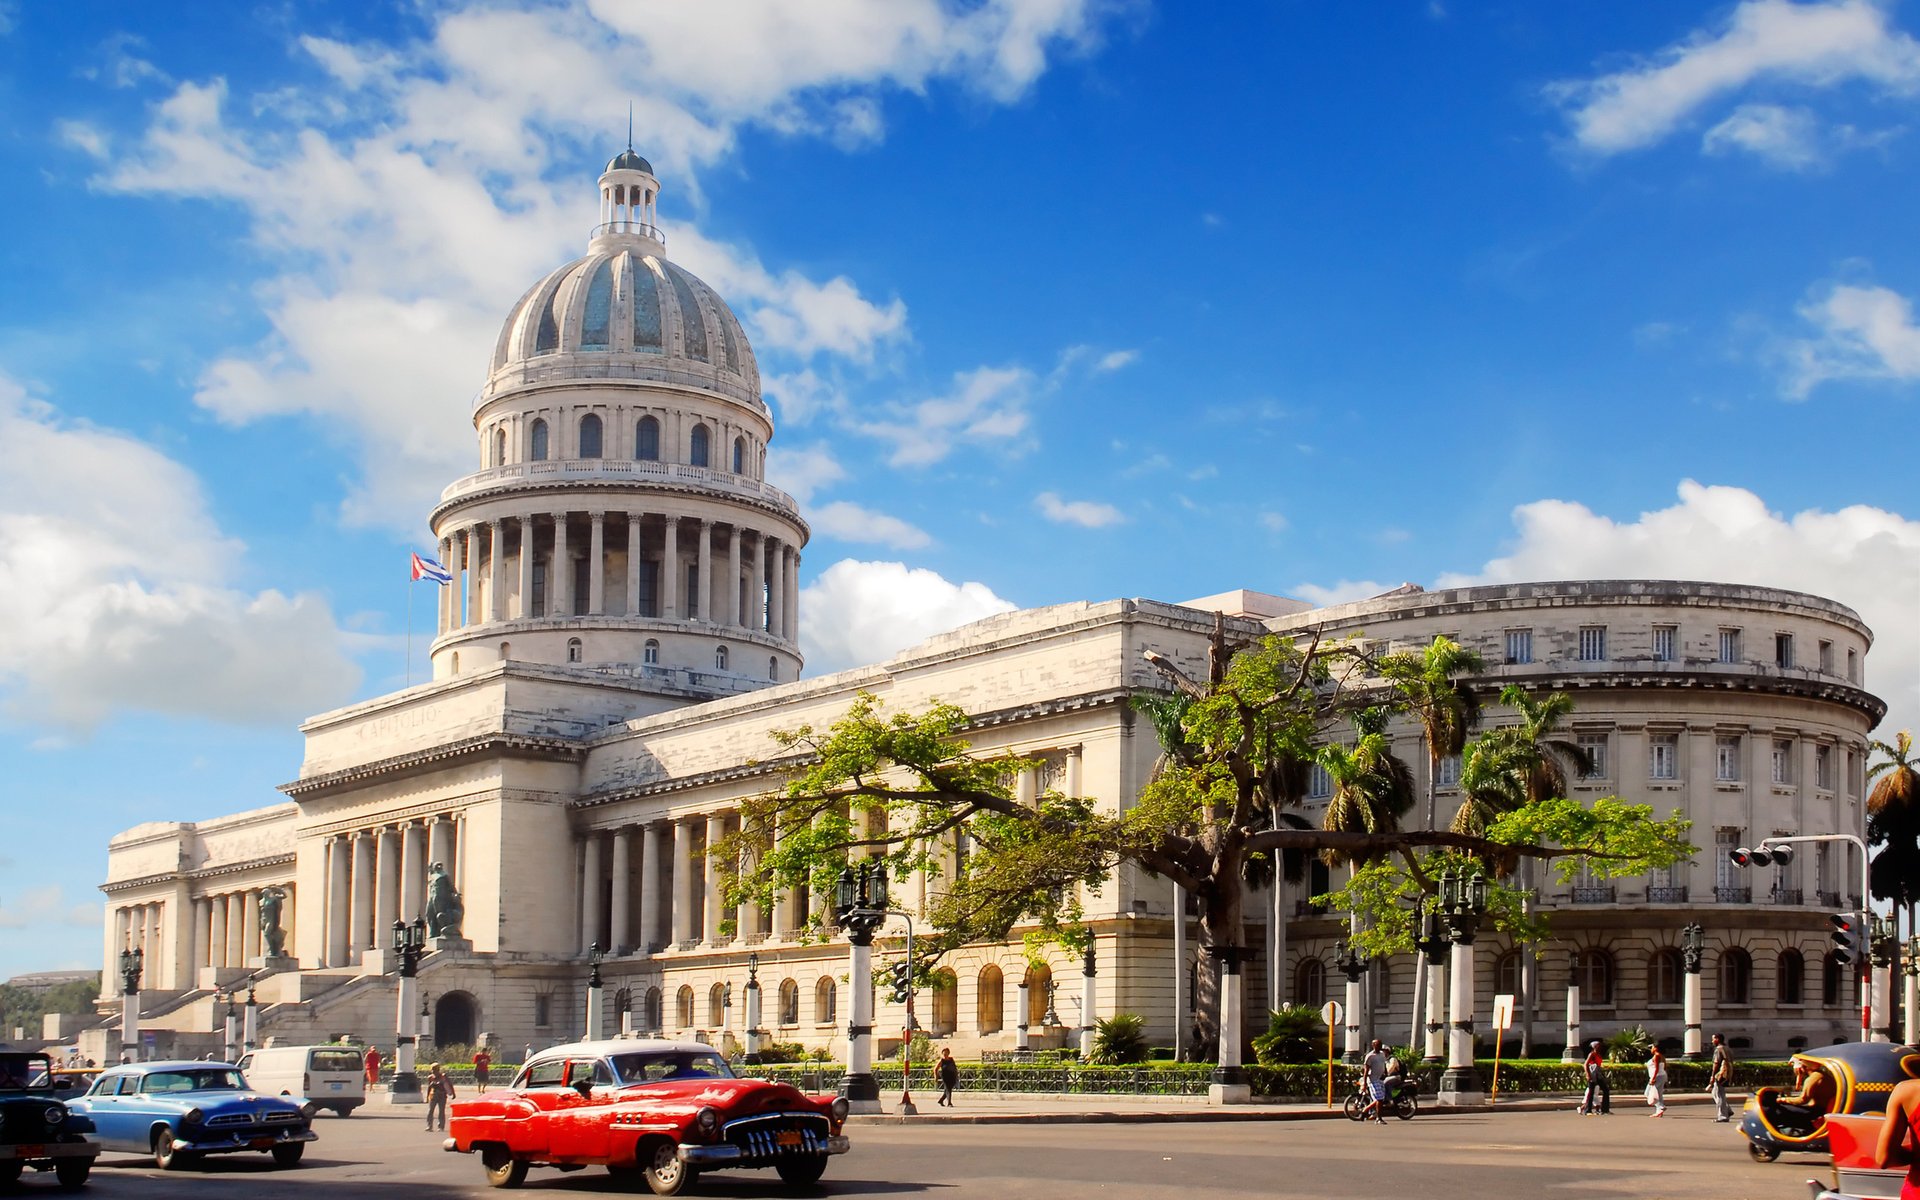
{"x": 245, "y": 1141}
{"x": 726, "y": 1154}
{"x": 451, "y": 1147}
{"x": 49, "y": 1150}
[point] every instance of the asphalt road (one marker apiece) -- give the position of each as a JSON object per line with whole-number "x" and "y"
{"x": 1436, "y": 1156}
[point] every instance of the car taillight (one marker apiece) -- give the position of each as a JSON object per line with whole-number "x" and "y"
{"x": 306, "y": 1084}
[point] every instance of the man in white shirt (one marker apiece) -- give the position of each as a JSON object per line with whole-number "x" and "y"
{"x": 1374, "y": 1071}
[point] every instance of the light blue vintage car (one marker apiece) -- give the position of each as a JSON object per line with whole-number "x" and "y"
{"x": 179, "y": 1111}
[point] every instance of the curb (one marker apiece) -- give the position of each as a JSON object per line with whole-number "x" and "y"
{"x": 1235, "y": 1113}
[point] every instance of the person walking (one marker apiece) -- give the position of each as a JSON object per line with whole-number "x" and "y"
{"x": 439, "y": 1090}
{"x": 1657, "y": 1082}
{"x": 1374, "y": 1071}
{"x": 949, "y": 1075}
{"x": 1599, "y": 1097}
{"x": 482, "y": 1064}
{"x": 373, "y": 1066}
{"x": 1718, "y": 1081}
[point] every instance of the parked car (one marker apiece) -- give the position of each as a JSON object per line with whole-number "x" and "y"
{"x": 36, "y": 1130}
{"x": 317, "y": 1077}
{"x": 180, "y": 1111}
{"x": 657, "y": 1111}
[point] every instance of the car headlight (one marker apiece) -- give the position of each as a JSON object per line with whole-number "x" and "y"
{"x": 55, "y": 1114}
{"x": 194, "y": 1116}
{"x": 708, "y": 1120}
{"x": 839, "y": 1109}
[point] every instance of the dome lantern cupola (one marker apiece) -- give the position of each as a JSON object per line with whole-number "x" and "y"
{"x": 629, "y": 196}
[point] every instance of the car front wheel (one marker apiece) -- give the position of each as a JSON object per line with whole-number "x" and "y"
{"x": 800, "y": 1172}
{"x": 287, "y": 1154}
{"x": 503, "y": 1169}
{"x": 166, "y": 1155}
{"x": 72, "y": 1173}
{"x": 666, "y": 1174}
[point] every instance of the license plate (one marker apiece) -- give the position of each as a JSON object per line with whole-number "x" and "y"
{"x": 336, "y": 1086}
{"x": 786, "y": 1139}
{"x": 29, "y": 1151}
{"x": 260, "y": 1144}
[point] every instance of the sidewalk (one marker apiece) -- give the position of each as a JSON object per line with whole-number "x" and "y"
{"x": 1053, "y": 1108}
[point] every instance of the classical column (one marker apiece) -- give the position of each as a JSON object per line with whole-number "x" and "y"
{"x": 456, "y": 590}
{"x": 386, "y": 899}
{"x": 793, "y": 594}
{"x": 338, "y": 902}
{"x": 525, "y": 607}
{"x": 590, "y": 889}
{"x": 620, "y": 934}
{"x": 413, "y": 871}
{"x": 445, "y": 594}
{"x": 440, "y": 842}
{"x": 777, "y": 588}
{"x": 597, "y": 563}
{"x": 713, "y": 877}
{"x": 237, "y": 928}
{"x": 633, "y": 565}
{"x": 202, "y": 933}
{"x": 670, "y": 571}
{"x": 757, "y": 592}
{"x": 560, "y": 575}
{"x": 682, "y": 900}
{"x": 650, "y": 876}
{"x": 476, "y": 610}
{"x": 701, "y": 606}
{"x": 216, "y": 931}
{"x": 496, "y": 570}
{"x": 784, "y": 898}
{"x": 361, "y": 918}
{"x": 730, "y": 607}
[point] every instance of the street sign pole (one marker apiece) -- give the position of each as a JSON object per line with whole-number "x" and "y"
{"x": 1502, "y": 1018}
{"x": 1330, "y": 1015}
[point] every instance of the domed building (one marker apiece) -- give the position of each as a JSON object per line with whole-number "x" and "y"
{"x": 620, "y": 642}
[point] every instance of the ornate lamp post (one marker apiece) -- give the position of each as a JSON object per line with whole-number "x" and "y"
{"x": 753, "y": 1008}
{"x": 1883, "y": 942}
{"x": 1089, "y": 996}
{"x": 1432, "y": 944}
{"x": 250, "y": 1026}
{"x": 1693, "y": 951}
{"x": 409, "y": 942}
{"x": 1463, "y": 901}
{"x": 596, "y": 1012}
{"x": 231, "y": 1031}
{"x": 132, "y": 960}
{"x": 1021, "y": 1043}
{"x": 1051, "y": 1018}
{"x": 1352, "y": 962}
{"x": 860, "y": 908}
{"x": 426, "y": 1019}
{"x": 1911, "y": 999}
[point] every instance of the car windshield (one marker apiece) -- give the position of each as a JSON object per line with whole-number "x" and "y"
{"x": 654, "y": 1065}
{"x": 33, "y": 1071}
{"x": 213, "y": 1079}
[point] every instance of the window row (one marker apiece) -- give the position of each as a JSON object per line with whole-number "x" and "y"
{"x": 650, "y": 656}
{"x": 1663, "y": 763}
{"x": 1664, "y": 646}
{"x": 591, "y": 443}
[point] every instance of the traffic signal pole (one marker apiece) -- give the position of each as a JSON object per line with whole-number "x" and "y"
{"x": 1866, "y": 916}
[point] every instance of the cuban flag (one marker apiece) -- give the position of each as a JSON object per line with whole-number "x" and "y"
{"x": 426, "y": 568}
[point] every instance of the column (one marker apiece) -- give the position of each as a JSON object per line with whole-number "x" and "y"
{"x": 255, "y": 943}
{"x": 670, "y": 571}
{"x": 440, "y": 842}
{"x": 650, "y": 876}
{"x": 386, "y": 899}
{"x": 361, "y": 918}
{"x": 633, "y": 565}
{"x": 413, "y": 871}
{"x": 793, "y": 595}
{"x": 560, "y": 573}
{"x": 702, "y": 605}
{"x": 456, "y": 566}
{"x": 525, "y": 607}
{"x": 590, "y": 889}
{"x": 621, "y": 933}
{"x": 216, "y": 931}
{"x": 1574, "y": 1051}
{"x": 202, "y": 933}
{"x": 1435, "y": 1049}
{"x": 783, "y": 900}
{"x": 777, "y": 589}
{"x": 715, "y": 905}
{"x": 476, "y": 610}
{"x": 1461, "y": 1084}
{"x": 339, "y": 901}
{"x": 597, "y": 563}
{"x": 757, "y": 592}
{"x": 444, "y": 595}
{"x": 496, "y": 570}
{"x": 236, "y": 929}
{"x": 730, "y": 603}
{"x": 682, "y": 900}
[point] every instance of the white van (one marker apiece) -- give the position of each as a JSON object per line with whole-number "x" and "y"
{"x": 318, "y": 1076}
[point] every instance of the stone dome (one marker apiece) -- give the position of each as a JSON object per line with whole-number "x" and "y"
{"x": 623, "y": 313}
{"x": 627, "y": 160}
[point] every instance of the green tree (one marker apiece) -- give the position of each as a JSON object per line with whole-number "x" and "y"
{"x": 1893, "y": 822}
{"x": 1428, "y": 684}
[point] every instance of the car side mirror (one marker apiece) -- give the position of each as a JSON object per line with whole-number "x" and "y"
{"x": 584, "y": 1086}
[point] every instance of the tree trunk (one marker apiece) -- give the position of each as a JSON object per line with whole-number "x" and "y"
{"x": 1222, "y": 926}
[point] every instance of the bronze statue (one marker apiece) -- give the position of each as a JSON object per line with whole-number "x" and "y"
{"x": 273, "y": 938}
{"x": 444, "y": 909}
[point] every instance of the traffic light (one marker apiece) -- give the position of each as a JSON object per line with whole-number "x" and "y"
{"x": 1844, "y": 933}
{"x": 902, "y": 973}
{"x": 1765, "y": 856}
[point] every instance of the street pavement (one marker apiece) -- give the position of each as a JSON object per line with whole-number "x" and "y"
{"x": 1439, "y": 1155}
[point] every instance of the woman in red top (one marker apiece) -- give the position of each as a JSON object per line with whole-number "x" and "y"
{"x": 373, "y": 1066}
{"x": 1896, "y": 1136}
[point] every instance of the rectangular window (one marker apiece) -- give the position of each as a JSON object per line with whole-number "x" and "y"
{"x": 1319, "y": 783}
{"x": 1727, "y": 875}
{"x": 1826, "y": 658}
{"x": 1519, "y": 645}
{"x": 1449, "y": 775}
{"x": 1850, "y": 771}
{"x": 1782, "y": 761}
{"x": 1663, "y": 643}
{"x": 1593, "y": 643}
{"x": 1783, "y": 650}
{"x": 582, "y": 586}
{"x": 1853, "y": 666}
{"x": 1729, "y": 645}
{"x": 1823, "y": 769}
{"x": 693, "y": 587}
{"x": 1726, "y": 759}
{"x": 649, "y": 599}
{"x": 1595, "y": 746}
{"x": 542, "y": 1013}
{"x": 1663, "y": 754}
{"x": 539, "y": 608}
{"x": 1823, "y": 867}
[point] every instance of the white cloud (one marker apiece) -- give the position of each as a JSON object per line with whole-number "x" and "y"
{"x": 40, "y": 907}
{"x": 1087, "y": 514}
{"x": 1274, "y": 522}
{"x": 1113, "y": 360}
{"x": 858, "y": 612}
{"x": 851, "y": 523}
{"x": 803, "y": 470}
{"x": 1785, "y": 137}
{"x": 115, "y": 591}
{"x": 1815, "y": 45}
{"x": 83, "y": 137}
{"x": 986, "y": 405}
{"x": 1861, "y": 333}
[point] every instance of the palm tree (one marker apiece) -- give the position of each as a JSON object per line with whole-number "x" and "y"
{"x": 1372, "y": 787}
{"x": 1893, "y": 823}
{"x": 1446, "y": 711}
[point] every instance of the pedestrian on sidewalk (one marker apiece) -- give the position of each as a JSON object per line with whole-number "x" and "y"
{"x": 1657, "y": 1082}
{"x": 482, "y": 1064}
{"x": 1374, "y": 1071}
{"x": 1599, "y": 1097}
{"x": 1718, "y": 1081}
{"x": 373, "y": 1066}
{"x": 439, "y": 1091}
{"x": 949, "y": 1075}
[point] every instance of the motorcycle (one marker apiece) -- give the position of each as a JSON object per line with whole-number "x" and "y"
{"x": 1403, "y": 1092}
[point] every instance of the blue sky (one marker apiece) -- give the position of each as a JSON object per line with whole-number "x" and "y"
{"x": 1054, "y": 300}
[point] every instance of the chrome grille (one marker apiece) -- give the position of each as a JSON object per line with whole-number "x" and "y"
{"x": 228, "y": 1120}
{"x": 281, "y": 1118}
{"x": 759, "y": 1137}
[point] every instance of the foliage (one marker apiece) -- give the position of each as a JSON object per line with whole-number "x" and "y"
{"x": 1632, "y": 1044}
{"x": 25, "y": 1006}
{"x": 1446, "y": 711}
{"x": 1295, "y": 1034}
{"x": 783, "y": 1052}
{"x": 1121, "y": 1038}
{"x": 1893, "y": 822}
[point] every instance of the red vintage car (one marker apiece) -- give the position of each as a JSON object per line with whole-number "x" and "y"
{"x": 657, "y": 1111}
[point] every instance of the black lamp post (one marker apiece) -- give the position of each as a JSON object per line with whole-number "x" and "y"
{"x": 250, "y": 1024}
{"x": 596, "y": 1012}
{"x": 753, "y": 1008}
{"x": 1693, "y": 953}
{"x": 1463, "y": 901}
{"x": 411, "y": 943}
{"x": 1352, "y": 961}
{"x": 131, "y": 961}
{"x": 231, "y": 1030}
{"x": 1432, "y": 942}
{"x": 860, "y": 908}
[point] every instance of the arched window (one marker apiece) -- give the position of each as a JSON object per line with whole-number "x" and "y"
{"x": 646, "y": 440}
{"x": 537, "y": 442}
{"x": 456, "y": 662}
{"x": 590, "y": 436}
{"x": 653, "y": 1014}
{"x": 739, "y": 455}
{"x": 717, "y": 1006}
{"x": 1665, "y": 975}
{"x": 1593, "y": 971}
{"x": 773, "y": 667}
{"x": 1736, "y": 976}
{"x": 1831, "y": 973}
{"x": 1506, "y": 974}
{"x": 1038, "y": 977}
{"x": 573, "y": 649}
{"x": 990, "y": 999}
{"x": 946, "y": 1003}
{"x": 650, "y": 653}
{"x": 789, "y": 1002}
{"x": 700, "y": 439}
{"x": 1793, "y": 977}
{"x": 719, "y": 658}
{"x": 824, "y": 993}
{"x": 683, "y": 1007}
{"x": 499, "y": 447}
{"x": 1310, "y": 983}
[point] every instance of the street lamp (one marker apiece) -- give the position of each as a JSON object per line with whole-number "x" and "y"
{"x": 1693, "y": 952}
{"x": 596, "y": 1014}
{"x": 411, "y": 942}
{"x": 250, "y": 1027}
{"x": 1352, "y": 961}
{"x": 1911, "y": 992}
{"x": 131, "y": 962}
{"x": 1433, "y": 944}
{"x": 1463, "y": 901}
{"x": 1883, "y": 944}
{"x": 426, "y": 1018}
{"x": 753, "y": 1008}
{"x": 860, "y": 909}
{"x": 1051, "y": 1018}
{"x": 231, "y": 1030}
